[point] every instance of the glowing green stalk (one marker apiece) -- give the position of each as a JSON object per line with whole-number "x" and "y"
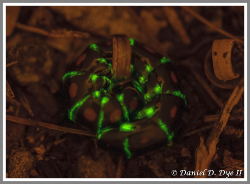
{"x": 166, "y": 130}
{"x": 94, "y": 47}
{"x": 164, "y": 60}
{"x": 102, "y": 60}
{"x": 178, "y": 94}
{"x": 120, "y": 99}
{"x": 126, "y": 148}
{"x": 137, "y": 86}
{"x": 73, "y": 111}
{"x": 132, "y": 41}
{"x": 101, "y": 115}
{"x": 71, "y": 74}
{"x": 103, "y": 131}
{"x": 127, "y": 127}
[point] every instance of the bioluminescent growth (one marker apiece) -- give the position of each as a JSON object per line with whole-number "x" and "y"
{"x": 147, "y": 112}
{"x": 150, "y": 112}
{"x": 71, "y": 74}
{"x": 97, "y": 94}
{"x": 158, "y": 89}
{"x": 103, "y": 131}
{"x": 143, "y": 79}
{"x": 149, "y": 68}
{"x": 102, "y": 60}
{"x": 137, "y": 86}
{"x": 101, "y": 115}
{"x": 147, "y": 97}
{"x": 165, "y": 60}
{"x": 93, "y": 77}
{"x": 94, "y": 47}
{"x": 166, "y": 130}
{"x": 132, "y": 41}
{"x": 126, "y": 148}
{"x": 120, "y": 98}
{"x": 73, "y": 111}
{"x": 178, "y": 94}
{"x": 127, "y": 127}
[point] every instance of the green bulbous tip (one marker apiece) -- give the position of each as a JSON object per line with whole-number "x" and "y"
{"x": 132, "y": 41}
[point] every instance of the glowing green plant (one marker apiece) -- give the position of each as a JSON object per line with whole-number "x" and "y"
{"x": 132, "y": 41}
{"x": 71, "y": 74}
{"x": 165, "y": 60}
{"x": 120, "y": 98}
{"x": 126, "y": 148}
{"x": 94, "y": 47}
{"x": 178, "y": 94}
{"x": 166, "y": 130}
{"x": 73, "y": 111}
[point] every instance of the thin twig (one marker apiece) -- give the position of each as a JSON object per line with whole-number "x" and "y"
{"x": 67, "y": 34}
{"x": 48, "y": 125}
{"x": 205, "y": 152}
{"x": 206, "y": 22}
{"x": 12, "y": 63}
{"x": 210, "y": 118}
{"x": 176, "y": 23}
{"x": 207, "y": 88}
{"x": 199, "y": 130}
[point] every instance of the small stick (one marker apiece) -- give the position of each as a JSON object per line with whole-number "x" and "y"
{"x": 176, "y": 23}
{"x": 199, "y": 130}
{"x": 48, "y": 125}
{"x": 205, "y": 152}
{"x": 206, "y": 22}
{"x": 210, "y": 118}
{"x": 67, "y": 34}
{"x": 207, "y": 88}
{"x": 12, "y": 63}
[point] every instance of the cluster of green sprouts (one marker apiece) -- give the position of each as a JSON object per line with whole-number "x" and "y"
{"x": 145, "y": 113}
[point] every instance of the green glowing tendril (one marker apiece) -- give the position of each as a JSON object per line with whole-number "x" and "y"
{"x": 73, "y": 111}
{"x": 166, "y": 130}
{"x": 103, "y": 132}
{"x": 71, "y": 74}
{"x": 165, "y": 60}
{"x": 102, "y": 60}
{"x": 126, "y": 148}
{"x": 101, "y": 115}
{"x": 94, "y": 47}
{"x": 137, "y": 86}
{"x": 178, "y": 94}
{"x": 120, "y": 98}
